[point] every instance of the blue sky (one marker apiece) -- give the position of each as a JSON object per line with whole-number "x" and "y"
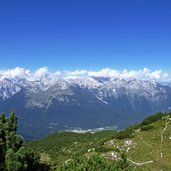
{"x": 85, "y": 34}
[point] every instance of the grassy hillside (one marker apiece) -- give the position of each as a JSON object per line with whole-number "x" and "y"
{"x": 147, "y": 145}
{"x": 63, "y": 146}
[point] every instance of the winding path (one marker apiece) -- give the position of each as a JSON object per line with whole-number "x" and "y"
{"x": 162, "y": 138}
{"x": 161, "y": 147}
{"x": 140, "y": 164}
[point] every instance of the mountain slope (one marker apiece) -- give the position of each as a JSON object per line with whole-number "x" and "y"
{"x": 53, "y": 104}
{"x": 147, "y": 149}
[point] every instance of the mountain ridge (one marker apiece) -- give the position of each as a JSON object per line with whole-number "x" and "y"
{"x": 89, "y": 102}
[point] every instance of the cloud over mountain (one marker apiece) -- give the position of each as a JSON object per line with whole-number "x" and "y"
{"x": 92, "y": 100}
{"x": 144, "y": 74}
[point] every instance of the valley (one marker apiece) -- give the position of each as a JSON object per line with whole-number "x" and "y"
{"x": 56, "y": 104}
{"x": 146, "y": 145}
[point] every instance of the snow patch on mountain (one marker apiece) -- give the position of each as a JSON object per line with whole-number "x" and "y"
{"x": 44, "y": 87}
{"x": 8, "y": 88}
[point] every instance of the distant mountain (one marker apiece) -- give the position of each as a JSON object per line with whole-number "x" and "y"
{"x": 54, "y": 104}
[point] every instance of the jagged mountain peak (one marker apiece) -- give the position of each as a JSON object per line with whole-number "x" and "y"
{"x": 10, "y": 86}
{"x": 84, "y": 82}
{"x": 88, "y": 102}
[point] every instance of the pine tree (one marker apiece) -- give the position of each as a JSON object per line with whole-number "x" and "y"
{"x": 14, "y": 157}
{"x": 2, "y": 141}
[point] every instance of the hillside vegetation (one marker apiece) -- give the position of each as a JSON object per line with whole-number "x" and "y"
{"x": 13, "y": 156}
{"x": 144, "y": 146}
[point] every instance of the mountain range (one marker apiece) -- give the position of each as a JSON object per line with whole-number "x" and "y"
{"x": 56, "y": 104}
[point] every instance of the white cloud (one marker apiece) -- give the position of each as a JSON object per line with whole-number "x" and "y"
{"x": 145, "y": 74}
{"x": 58, "y": 73}
{"x": 13, "y": 73}
{"x": 74, "y": 74}
{"x": 78, "y": 72}
{"x": 104, "y": 73}
{"x": 41, "y": 72}
{"x": 158, "y": 74}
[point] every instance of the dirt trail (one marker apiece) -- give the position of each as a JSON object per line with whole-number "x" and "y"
{"x": 161, "y": 148}
{"x": 162, "y": 139}
{"x": 140, "y": 164}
